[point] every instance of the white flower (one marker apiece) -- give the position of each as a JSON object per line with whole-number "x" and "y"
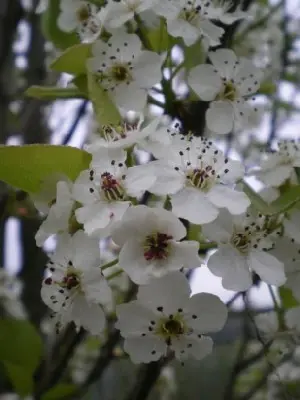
{"x": 165, "y": 318}
{"x": 125, "y": 71}
{"x": 292, "y": 225}
{"x": 151, "y": 247}
{"x": 221, "y": 13}
{"x": 278, "y": 166}
{"x": 10, "y": 293}
{"x": 199, "y": 179}
{"x": 76, "y": 287}
{"x": 81, "y": 16}
{"x": 292, "y": 318}
{"x": 190, "y": 20}
{"x": 243, "y": 241}
{"x": 123, "y": 135}
{"x": 118, "y": 13}
{"x": 226, "y": 84}
{"x": 58, "y": 219}
{"x": 105, "y": 188}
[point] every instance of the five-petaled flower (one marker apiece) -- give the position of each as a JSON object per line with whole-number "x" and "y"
{"x": 76, "y": 287}
{"x": 226, "y": 84}
{"x": 159, "y": 321}
{"x": 151, "y": 247}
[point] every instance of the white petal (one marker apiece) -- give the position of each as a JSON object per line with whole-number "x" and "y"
{"x": 193, "y": 205}
{"x": 168, "y": 180}
{"x": 205, "y": 82}
{"x": 221, "y": 229}
{"x": 267, "y": 267}
{"x": 90, "y": 316}
{"x": 67, "y": 21}
{"x": 219, "y": 117}
{"x": 222, "y": 196}
{"x": 138, "y": 179}
{"x": 86, "y": 253}
{"x": 232, "y": 267}
{"x": 292, "y": 226}
{"x": 206, "y": 313}
{"x": 194, "y": 346}
{"x": 224, "y": 61}
{"x": 211, "y": 31}
{"x": 95, "y": 287}
{"x": 160, "y": 293}
{"x": 183, "y": 29}
{"x": 147, "y": 69}
{"x": 134, "y": 319}
{"x": 144, "y": 349}
{"x": 186, "y": 254}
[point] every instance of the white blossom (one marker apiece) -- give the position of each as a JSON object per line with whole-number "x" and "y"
{"x": 277, "y": 167}
{"x": 76, "y": 287}
{"x": 243, "y": 242}
{"x": 118, "y": 13}
{"x": 58, "y": 218}
{"x": 105, "y": 190}
{"x": 190, "y": 20}
{"x": 80, "y": 16}
{"x": 123, "y": 135}
{"x": 151, "y": 247}
{"x": 125, "y": 71}
{"x": 165, "y": 318}
{"x": 226, "y": 84}
{"x": 10, "y": 295}
{"x": 199, "y": 180}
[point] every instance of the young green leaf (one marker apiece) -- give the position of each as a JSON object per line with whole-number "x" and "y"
{"x": 59, "y": 391}
{"x": 25, "y": 167}
{"x": 53, "y": 93}
{"x": 73, "y": 60}
{"x": 105, "y": 110}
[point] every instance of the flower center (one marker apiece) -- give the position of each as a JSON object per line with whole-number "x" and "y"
{"x": 241, "y": 241}
{"x": 190, "y": 13}
{"x": 117, "y": 132}
{"x": 83, "y": 14}
{"x": 173, "y": 327}
{"x": 202, "y": 178}
{"x": 120, "y": 73}
{"x": 111, "y": 187}
{"x": 71, "y": 281}
{"x": 156, "y": 246}
{"x": 229, "y": 92}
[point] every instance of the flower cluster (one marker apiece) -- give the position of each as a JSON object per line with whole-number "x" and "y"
{"x": 146, "y": 211}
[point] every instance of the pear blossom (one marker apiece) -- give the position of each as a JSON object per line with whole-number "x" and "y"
{"x": 105, "y": 189}
{"x": 75, "y": 286}
{"x": 164, "y": 319}
{"x": 243, "y": 242}
{"x": 221, "y": 12}
{"x": 123, "y": 135}
{"x": 10, "y": 295}
{"x": 60, "y": 213}
{"x": 226, "y": 84}
{"x": 118, "y": 13}
{"x": 199, "y": 180}
{"x": 190, "y": 20}
{"x": 151, "y": 247}
{"x": 80, "y": 16}
{"x": 125, "y": 71}
{"x": 278, "y": 166}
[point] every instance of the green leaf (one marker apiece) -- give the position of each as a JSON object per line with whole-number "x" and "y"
{"x": 159, "y": 39}
{"x": 257, "y": 201}
{"x": 59, "y": 392}
{"x": 287, "y": 298}
{"x": 53, "y": 93}
{"x": 193, "y": 55}
{"x": 73, "y": 60}
{"x": 20, "y": 378}
{"x": 60, "y": 39}
{"x": 20, "y": 352}
{"x": 287, "y": 200}
{"x": 105, "y": 110}
{"x": 81, "y": 82}
{"x": 26, "y": 167}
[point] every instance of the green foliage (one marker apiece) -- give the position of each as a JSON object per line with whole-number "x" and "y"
{"x": 59, "y": 392}
{"x": 25, "y": 167}
{"x": 193, "y": 55}
{"x": 287, "y": 298}
{"x": 105, "y": 110}
{"x": 20, "y": 353}
{"x": 159, "y": 39}
{"x": 73, "y": 60}
{"x": 60, "y": 39}
{"x": 53, "y": 92}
